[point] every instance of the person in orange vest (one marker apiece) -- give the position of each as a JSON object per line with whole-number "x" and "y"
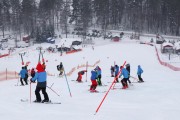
{"x": 80, "y": 74}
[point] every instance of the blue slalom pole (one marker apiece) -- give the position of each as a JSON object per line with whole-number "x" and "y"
{"x": 67, "y": 83}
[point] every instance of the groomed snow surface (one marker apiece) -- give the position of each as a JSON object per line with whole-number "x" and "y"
{"x": 158, "y": 98}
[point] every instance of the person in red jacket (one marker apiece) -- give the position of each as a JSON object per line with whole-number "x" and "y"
{"x": 80, "y": 74}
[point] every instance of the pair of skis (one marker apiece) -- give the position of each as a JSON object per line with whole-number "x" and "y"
{"x": 50, "y": 102}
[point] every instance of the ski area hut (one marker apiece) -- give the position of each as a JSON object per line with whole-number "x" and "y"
{"x": 159, "y": 39}
{"x": 167, "y": 47}
{"x": 26, "y": 38}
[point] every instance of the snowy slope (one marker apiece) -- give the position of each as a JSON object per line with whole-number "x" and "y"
{"x": 155, "y": 99}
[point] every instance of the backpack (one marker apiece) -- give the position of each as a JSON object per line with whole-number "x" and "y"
{"x": 58, "y": 67}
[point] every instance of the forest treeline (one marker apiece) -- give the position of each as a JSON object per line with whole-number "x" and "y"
{"x": 37, "y": 17}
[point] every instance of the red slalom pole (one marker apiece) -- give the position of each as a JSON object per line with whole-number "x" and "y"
{"x": 108, "y": 91}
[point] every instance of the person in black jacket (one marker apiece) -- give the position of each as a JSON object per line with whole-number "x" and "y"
{"x": 128, "y": 69}
{"x": 60, "y": 68}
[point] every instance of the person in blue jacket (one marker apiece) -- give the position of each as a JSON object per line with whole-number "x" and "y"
{"x": 116, "y": 69}
{"x": 139, "y": 72}
{"x": 23, "y": 73}
{"x": 40, "y": 76}
{"x": 125, "y": 75}
{"x": 93, "y": 80}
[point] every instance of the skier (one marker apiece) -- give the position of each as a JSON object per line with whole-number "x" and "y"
{"x": 128, "y": 69}
{"x": 139, "y": 72}
{"x": 23, "y": 73}
{"x": 60, "y": 68}
{"x": 98, "y": 70}
{"x": 112, "y": 71}
{"x": 116, "y": 69}
{"x": 80, "y": 74}
{"x": 40, "y": 76}
{"x": 32, "y": 72}
{"x": 26, "y": 75}
{"x": 125, "y": 74}
{"x": 93, "y": 80}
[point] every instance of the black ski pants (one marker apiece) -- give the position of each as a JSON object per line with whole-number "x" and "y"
{"x": 25, "y": 80}
{"x": 140, "y": 78}
{"x": 37, "y": 93}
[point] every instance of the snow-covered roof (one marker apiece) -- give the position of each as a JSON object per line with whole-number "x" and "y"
{"x": 167, "y": 44}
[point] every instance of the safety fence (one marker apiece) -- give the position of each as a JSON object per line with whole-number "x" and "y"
{"x": 4, "y": 55}
{"x": 82, "y": 66}
{"x": 73, "y": 51}
{"x": 8, "y": 75}
{"x": 165, "y": 63}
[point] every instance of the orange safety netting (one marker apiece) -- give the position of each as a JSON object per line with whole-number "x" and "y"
{"x": 165, "y": 63}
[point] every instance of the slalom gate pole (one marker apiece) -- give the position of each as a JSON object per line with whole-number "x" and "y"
{"x": 53, "y": 91}
{"x": 67, "y": 83}
{"x": 118, "y": 75}
{"x": 108, "y": 91}
{"x": 86, "y": 69}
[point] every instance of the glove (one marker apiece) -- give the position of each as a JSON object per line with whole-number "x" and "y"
{"x": 32, "y": 80}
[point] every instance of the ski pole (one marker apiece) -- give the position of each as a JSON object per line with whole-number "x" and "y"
{"x": 107, "y": 91}
{"x": 134, "y": 78}
{"x": 42, "y": 56}
{"x": 67, "y": 83}
{"x": 39, "y": 54}
{"x": 53, "y": 90}
{"x": 52, "y": 85}
{"x": 22, "y": 60}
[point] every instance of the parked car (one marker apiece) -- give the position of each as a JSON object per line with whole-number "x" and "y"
{"x": 50, "y": 40}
